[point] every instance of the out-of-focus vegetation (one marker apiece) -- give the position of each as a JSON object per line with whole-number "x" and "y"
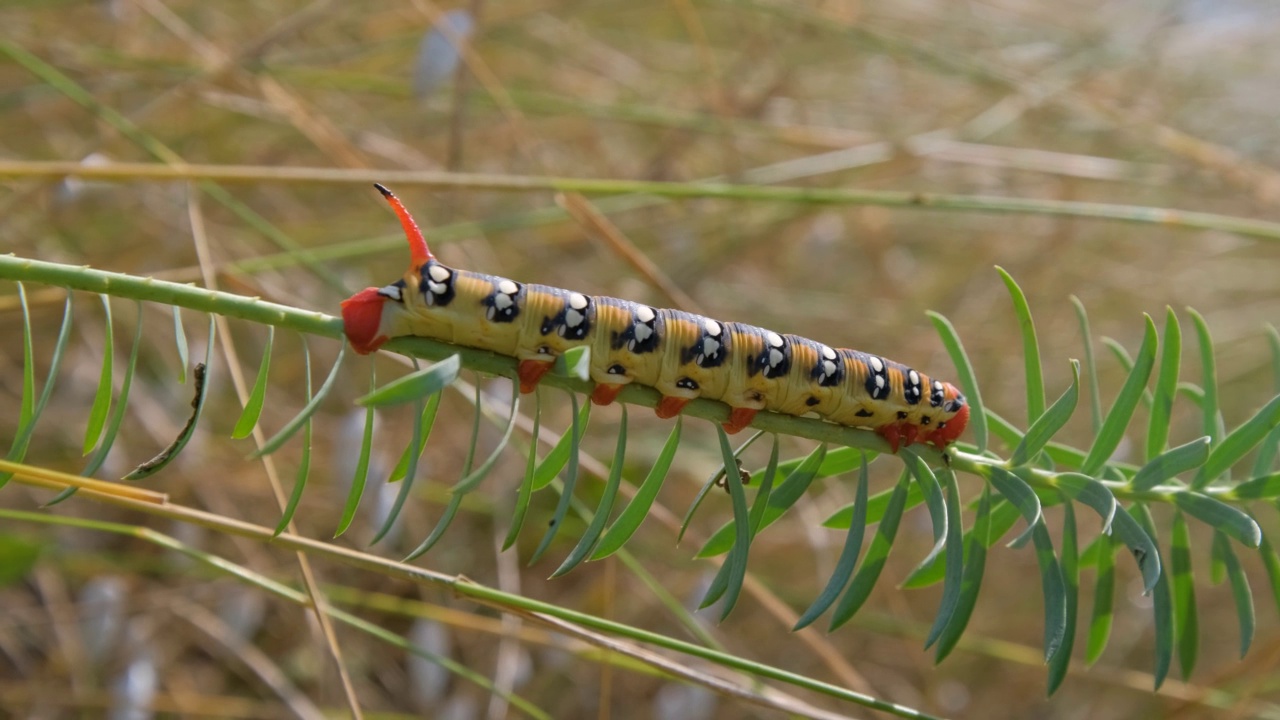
{"x": 1168, "y": 105}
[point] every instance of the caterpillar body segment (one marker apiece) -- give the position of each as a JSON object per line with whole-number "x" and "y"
{"x": 682, "y": 355}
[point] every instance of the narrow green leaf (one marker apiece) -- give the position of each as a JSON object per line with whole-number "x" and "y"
{"x": 876, "y": 508}
{"x": 1186, "y": 616}
{"x": 180, "y": 339}
{"x": 837, "y": 461}
{"x": 1020, "y": 495}
{"x": 1090, "y": 366}
{"x": 1209, "y": 376}
{"x": 361, "y": 476}
{"x": 1104, "y": 589}
{"x": 728, "y": 582}
{"x": 848, "y": 556}
{"x": 975, "y": 563}
{"x": 1221, "y": 517}
{"x": 1267, "y": 452}
{"x": 419, "y": 384}
{"x": 1089, "y": 491}
{"x": 780, "y": 500}
{"x": 570, "y": 482}
{"x": 253, "y": 406}
{"x": 526, "y": 485}
{"x": 1273, "y": 341}
{"x": 589, "y": 538}
{"x": 1240, "y": 441}
{"x": 18, "y": 556}
{"x": 1047, "y": 424}
{"x": 574, "y": 363}
{"x": 1240, "y": 591}
{"x": 31, "y": 409}
{"x": 1030, "y": 349}
{"x": 304, "y": 465}
{"x": 638, "y": 509}
{"x": 1061, "y": 660}
{"x": 1112, "y": 432}
{"x": 307, "y": 411}
{"x": 472, "y": 478}
{"x": 1271, "y": 562}
{"x": 1166, "y": 386}
{"x": 761, "y": 503}
{"x": 424, "y": 421}
{"x": 1162, "y": 603}
{"x": 968, "y": 379}
{"x": 555, "y": 460}
{"x": 954, "y": 560}
{"x": 102, "y": 398}
{"x": 1054, "y": 590}
{"x": 1141, "y": 546}
{"x": 1169, "y": 464}
{"x": 714, "y": 481}
{"x": 157, "y": 463}
{"x": 873, "y": 563}
{"x": 933, "y": 500}
{"x": 1122, "y": 356}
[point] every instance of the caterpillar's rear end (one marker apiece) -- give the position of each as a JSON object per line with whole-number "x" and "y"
{"x": 684, "y": 356}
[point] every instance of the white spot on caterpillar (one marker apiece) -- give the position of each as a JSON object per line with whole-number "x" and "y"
{"x": 507, "y": 287}
{"x": 876, "y": 364}
{"x": 711, "y": 326}
{"x": 828, "y": 353}
{"x": 577, "y": 301}
{"x": 439, "y": 273}
{"x": 828, "y": 368}
{"x": 437, "y": 288}
{"x": 491, "y": 313}
{"x": 775, "y": 358}
{"x": 390, "y": 291}
{"x": 913, "y": 377}
{"x": 645, "y": 313}
{"x": 774, "y": 339}
{"x": 572, "y": 318}
{"x": 710, "y": 347}
{"x": 502, "y": 302}
{"x": 642, "y": 333}
{"x": 879, "y": 382}
{"x": 937, "y": 386}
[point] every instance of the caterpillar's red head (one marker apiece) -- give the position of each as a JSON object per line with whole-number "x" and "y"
{"x": 947, "y": 434}
{"x": 362, "y": 312}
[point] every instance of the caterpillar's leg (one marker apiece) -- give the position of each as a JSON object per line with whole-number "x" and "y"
{"x": 739, "y": 418}
{"x": 530, "y": 373}
{"x": 910, "y": 433}
{"x": 604, "y": 393}
{"x": 670, "y": 407}
{"x": 893, "y": 434}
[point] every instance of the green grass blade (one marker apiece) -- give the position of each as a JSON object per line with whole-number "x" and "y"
{"x": 1019, "y": 493}
{"x": 304, "y": 465}
{"x": 361, "y": 477}
{"x": 1089, "y": 491}
{"x": 157, "y": 463}
{"x": 27, "y": 428}
{"x": 1047, "y": 424}
{"x": 570, "y": 482}
{"x": 180, "y": 340}
{"x": 933, "y": 500}
{"x": 1069, "y": 564}
{"x": 307, "y": 411}
{"x": 1117, "y": 421}
{"x": 954, "y": 561}
{"x": 1209, "y": 377}
{"x": 1030, "y": 349}
{"x": 424, "y": 421}
{"x": 526, "y": 485}
{"x": 975, "y": 563}
{"x": 102, "y": 398}
{"x": 419, "y": 384}
{"x": 1171, "y": 463}
{"x": 555, "y": 460}
{"x": 1090, "y": 366}
{"x": 472, "y": 479}
{"x": 253, "y": 406}
{"x": 1166, "y": 387}
{"x": 638, "y": 509}
{"x": 1271, "y": 562}
{"x": 1141, "y": 545}
{"x": 848, "y": 556}
{"x": 1186, "y": 616}
{"x": 589, "y": 538}
{"x": 787, "y": 493}
{"x": 1240, "y": 441}
{"x": 1221, "y": 517}
{"x": 1162, "y": 602}
{"x": 873, "y": 563}
{"x": 967, "y": 378}
{"x": 1104, "y": 588}
{"x": 1240, "y": 591}
{"x": 1055, "y": 592}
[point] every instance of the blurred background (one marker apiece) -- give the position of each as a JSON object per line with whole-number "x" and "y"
{"x": 1162, "y": 104}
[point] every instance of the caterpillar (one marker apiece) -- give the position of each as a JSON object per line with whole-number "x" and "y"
{"x": 684, "y": 356}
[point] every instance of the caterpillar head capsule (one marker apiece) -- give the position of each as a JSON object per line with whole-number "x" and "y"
{"x": 947, "y": 434}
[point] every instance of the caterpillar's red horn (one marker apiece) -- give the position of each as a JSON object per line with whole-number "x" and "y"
{"x": 418, "y": 250}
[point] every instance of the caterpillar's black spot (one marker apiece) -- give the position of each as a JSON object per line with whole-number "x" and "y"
{"x": 902, "y": 414}
{"x": 775, "y": 359}
{"x": 685, "y": 383}
{"x": 394, "y": 291}
{"x": 711, "y": 348}
{"x": 616, "y": 370}
{"x": 926, "y": 420}
{"x": 877, "y": 378}
{"x": 911, "y": 390}
{"x": 936, "y": 394}
{"x": 955, "y": 405}
{"x": 504, "y": 302}
{"x": 436, "y": 284}
{"x": 573, "y": 322}
{"x": 811, "y": 401}
{"x": 863, "y": 412}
